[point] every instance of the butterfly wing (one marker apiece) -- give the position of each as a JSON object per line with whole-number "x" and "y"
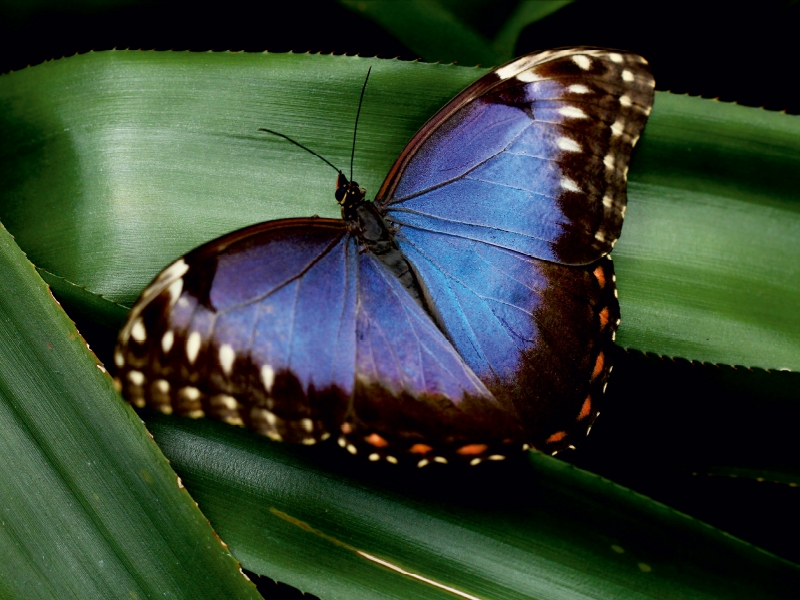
{"x": 287, "y": 328}
{"x": 506, "y": 202}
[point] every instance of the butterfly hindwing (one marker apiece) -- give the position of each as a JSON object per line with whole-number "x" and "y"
{"x": 538, "y": 334}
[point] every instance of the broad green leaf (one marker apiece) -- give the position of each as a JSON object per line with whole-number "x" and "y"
{"x": 344, "y": 529}
{"x": 470, "y": 32}
{"x": 114, "y": 164}
{"x": 89, "y": 507}
{"x": 713, "y": 222}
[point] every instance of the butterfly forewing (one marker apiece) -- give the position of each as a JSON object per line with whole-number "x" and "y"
{"x": 288, "y": 329}
{"x": 551, "y": 135}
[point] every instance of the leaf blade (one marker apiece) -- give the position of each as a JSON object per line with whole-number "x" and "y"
{"x": 90, "y": 507}
{"x": 541, "y": 529}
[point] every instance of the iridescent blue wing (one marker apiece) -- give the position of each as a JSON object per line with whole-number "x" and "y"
{"x": 287, "y": 328}
{"x": 506, "y": 202}
{"x": 538, "y": 334}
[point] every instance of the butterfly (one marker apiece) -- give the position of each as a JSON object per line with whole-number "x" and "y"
{"x": 465, "y": 314}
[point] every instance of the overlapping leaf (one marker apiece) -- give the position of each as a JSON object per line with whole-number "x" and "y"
{"x": 89, "y": 507}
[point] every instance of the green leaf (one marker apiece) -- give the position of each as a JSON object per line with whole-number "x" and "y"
{"x": 470, "y": 32}
{"x": 706, "y": 261}
{"x": 116, "y": 163}
{"x": 529, "y": 529}
{"x": 89, "y": 507}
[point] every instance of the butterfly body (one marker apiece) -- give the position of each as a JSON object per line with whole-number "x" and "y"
{"x": 465, "y": 314}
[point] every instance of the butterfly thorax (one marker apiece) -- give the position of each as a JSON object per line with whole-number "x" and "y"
{"x": 365, "y": 222}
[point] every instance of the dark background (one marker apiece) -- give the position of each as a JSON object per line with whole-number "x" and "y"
{"x": 743, "y": 52}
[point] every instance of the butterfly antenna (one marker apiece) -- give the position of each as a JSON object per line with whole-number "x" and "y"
{"x": 355, "y": 129}
{"x": 286, "y": 137}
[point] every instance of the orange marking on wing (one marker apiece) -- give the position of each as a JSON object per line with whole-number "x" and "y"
{"x": 601, "y": 276}
{"x": 420, "y": 449}
{"x": 603, "y": 318}
{"x": 598, "y": 366}
{"x": 376, "y": 440}
{"x": 557, "y": 437}
{"x": 586, "y": 409}
{"x": 471, "y": 449}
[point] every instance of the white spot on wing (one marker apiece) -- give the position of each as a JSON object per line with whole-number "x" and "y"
{"x": 583, "y": 61}
{"x": 607, "y": 201}
{"x": 515, "y": 67}
{"x": 136, "y": 377}
{"x": 138, "y": 332}
{"x": 569, "y": 185}
{"x": 227, "y": 401}
{"x": 529, "y": 76}
{"x": 625, "y": 101}
{"x": 193, "y": 347}
{"x": 627, "y": 75}
{"x": 190, "y": 393}
{"x": 162, "y": 385}
{"x": 579, "y": 88}
{"x": 600, "y": 236}
{"x": 617, "y": 128}
{"x": 119, "y": 360}
{"x": 175, "y": 289}
{"x": 267, "y": 377}
{"x": 568, "y": 145}
{"x": 608, "y": 161}
{"x": 176, "y": 269}
{"x": 167, "y": 340}
{"x": 226, "y": 358}
{"x": 615, "y": 57}
{"x": 573, "y": 112}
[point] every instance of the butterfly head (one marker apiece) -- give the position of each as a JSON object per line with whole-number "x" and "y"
{"x": 348, "y": 194}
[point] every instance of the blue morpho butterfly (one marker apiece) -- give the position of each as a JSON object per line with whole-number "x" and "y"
{"x": 465, "y": 314}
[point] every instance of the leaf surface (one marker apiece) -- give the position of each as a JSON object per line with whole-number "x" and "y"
{"x": 89, "y": 507}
